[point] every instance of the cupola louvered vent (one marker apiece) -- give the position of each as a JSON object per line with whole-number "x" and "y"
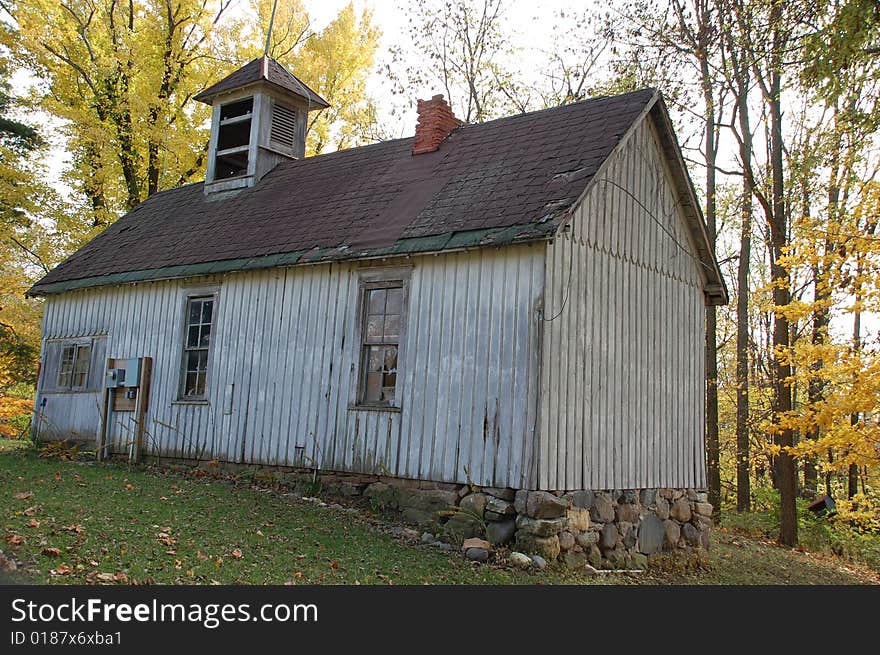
{"x": 283, "y": 133}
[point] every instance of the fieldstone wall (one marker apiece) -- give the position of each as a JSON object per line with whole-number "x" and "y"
{"x": 609, "y": 529}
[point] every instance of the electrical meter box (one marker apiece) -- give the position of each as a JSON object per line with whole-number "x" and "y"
{"x": 125, "y": 373}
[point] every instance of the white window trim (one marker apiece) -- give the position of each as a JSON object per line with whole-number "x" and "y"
{"x": 187, "y": 294}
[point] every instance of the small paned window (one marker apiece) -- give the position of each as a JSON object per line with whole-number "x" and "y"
{"x": 197, "y": 341}
{"x": 382, "y": 320}
{"x": 73, "y": 370}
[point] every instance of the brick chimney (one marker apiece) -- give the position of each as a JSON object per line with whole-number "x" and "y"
{"x": 436, "y": 122}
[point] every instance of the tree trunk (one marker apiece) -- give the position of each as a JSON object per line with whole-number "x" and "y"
{"x": 713, "y": 467}
{"x": 853, "y": 473}
{"x": 781, "y": 368}
{"x": 743, "y": 483}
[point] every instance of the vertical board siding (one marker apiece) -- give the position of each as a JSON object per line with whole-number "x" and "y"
{"x": 622, "y": 358}
{"x": 285, "y": 356}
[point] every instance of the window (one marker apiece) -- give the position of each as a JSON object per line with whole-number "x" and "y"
{"x": 382, "y": 321}
{"x": 197, "y": 341}
{"x": 233, "y": 139}
{"x": 73, "y": 370}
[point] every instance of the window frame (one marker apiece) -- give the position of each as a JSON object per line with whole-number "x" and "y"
{"x": 78, "y": 345}
{"x": 244, "y": 150}
{"x": 189, "y": 296}
{"x": 369, "y": 280}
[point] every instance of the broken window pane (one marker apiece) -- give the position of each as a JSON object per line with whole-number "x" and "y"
{"x": 373, "y": 391}
{"x": 190, "y": 387}
{"x": 391, "y": 359}
{"x": 375, "y": 358}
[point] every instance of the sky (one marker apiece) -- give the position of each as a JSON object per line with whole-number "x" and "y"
{"x": 531, "y": 25}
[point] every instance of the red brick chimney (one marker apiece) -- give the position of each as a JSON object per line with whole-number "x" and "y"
{"x": 436, "y": 122}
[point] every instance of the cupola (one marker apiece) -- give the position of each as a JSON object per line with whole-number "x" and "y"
{"x": 259, "y": 120}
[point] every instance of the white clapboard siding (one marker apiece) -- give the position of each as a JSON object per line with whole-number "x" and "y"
{"x": 284, "y": 359}
{"x": 622, "y": 366}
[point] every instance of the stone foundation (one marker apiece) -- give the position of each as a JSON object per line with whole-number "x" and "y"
{"x": 610, "y": 529}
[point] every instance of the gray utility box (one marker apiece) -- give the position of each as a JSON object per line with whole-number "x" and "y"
{"x": 127, "y": 373}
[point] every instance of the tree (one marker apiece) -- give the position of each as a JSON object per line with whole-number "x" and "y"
{"x": 336, "y": 62}
{"x": 460, "y": 45}
{"x": 739, "y": 81}
{"x": 121, "y": 76}
{"x": 19, "y": 325}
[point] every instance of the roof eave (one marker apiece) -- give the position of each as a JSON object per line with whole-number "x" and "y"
{"x": 431, "y": 245}
{"x": 715, "y": 287}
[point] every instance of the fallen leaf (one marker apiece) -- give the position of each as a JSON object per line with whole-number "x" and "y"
{"x": 30, "y": 511}
{"x": 93, "y": 563}
{"x": 58, "y": 476}
{"x": 334, "y": 565}
{"x": 74, "y": 528}
{"x": 129, "y": 487}
{"x": 178, "y": 564}
{"x": 15, "y": 539}
{"x": 171, "y": 552}
{"x": 201, "y": 556}
{"x": 260, "y": 533}
{"x": 119, "y": 576}
{"x": 23, "y": 495}
{"x": 218, "y": 562}
{"x": 190, "y": 574}
{"x": 52, "y": 552}
{"x": 237, "y": 554}
{"x": 61, "y": 569}
{"x": 165, "y": 538}
{"x": 33, "y": 523}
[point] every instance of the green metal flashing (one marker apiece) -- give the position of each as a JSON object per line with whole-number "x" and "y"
{"x": 435, "y": 243}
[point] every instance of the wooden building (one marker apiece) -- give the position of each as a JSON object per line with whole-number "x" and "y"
{"x": 518, "y": 303}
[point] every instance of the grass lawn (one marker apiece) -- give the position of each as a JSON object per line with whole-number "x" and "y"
{"x": 80, "y": 522}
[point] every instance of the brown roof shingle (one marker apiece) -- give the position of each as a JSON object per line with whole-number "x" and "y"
{"x": 357, "y": 202}
{"x": 263, "y": 68}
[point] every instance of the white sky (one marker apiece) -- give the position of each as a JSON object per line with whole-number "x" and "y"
{"x": 530, "y": 25}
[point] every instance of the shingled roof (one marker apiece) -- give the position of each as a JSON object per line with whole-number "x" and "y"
{"x": 263, "y": 69}
{"x": 505, "y": 181}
